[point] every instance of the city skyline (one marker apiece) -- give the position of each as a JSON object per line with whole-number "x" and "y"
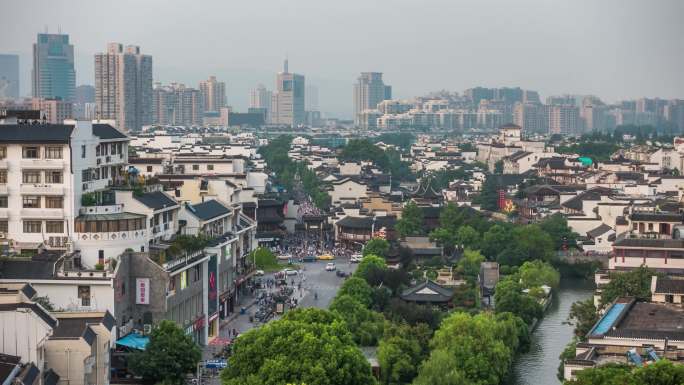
{"x": 593, "y": 52}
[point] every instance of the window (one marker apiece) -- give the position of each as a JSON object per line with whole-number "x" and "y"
{"x": 83, "y": 151}
{"x": 210, "y": 167}
{"x": 650, "y": 227}
{"x": 84, "y": 295}
{"x": 3, "y": 176}
{"x": 3, "y": 202}
{"x": 54, "y": 202}
{"x": 30, "y": 177}
{"x": 113, "y": 148}
{"x": 4, "y": 226}
{"x": 105, "y": 172}
{"x": 149, "y": 168}
{"x": 30, "y": 152}
{"x": 53, "y": 153}
{"x": 53, "y": 177}
{"x": 31, "y": 202}
{"x": 32, "y": 226}
{"x": 195, "y": 167}
{"x": 3, "y": 152}
{"x": 183, "y": 279}
{"x": 54, "y": 227}
{"x": 85, "y": 175}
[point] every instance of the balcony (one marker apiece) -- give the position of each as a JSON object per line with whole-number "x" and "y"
{"x": 41, "y": 189}
{"x": 103, "y": 209}
{"x": 42, "y": 164}
{"x": 118, "y": 236}
{"x": 42, "y": 213}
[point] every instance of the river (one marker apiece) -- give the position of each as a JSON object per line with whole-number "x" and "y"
{"x": 540, "y": 365}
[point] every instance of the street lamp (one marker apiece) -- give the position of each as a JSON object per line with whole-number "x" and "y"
{"x": 373, "y": 228}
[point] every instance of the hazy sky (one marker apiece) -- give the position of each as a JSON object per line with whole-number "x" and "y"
{"x": 615, "y": 49}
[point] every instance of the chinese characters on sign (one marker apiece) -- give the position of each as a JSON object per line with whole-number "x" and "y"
{"x": 142, "y": 291}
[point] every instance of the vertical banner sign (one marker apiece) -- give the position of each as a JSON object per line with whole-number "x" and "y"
{"x": 142, "y": 291}
{"x": 213, "y": 288}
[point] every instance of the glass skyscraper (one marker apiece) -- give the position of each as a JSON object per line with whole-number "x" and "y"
{"x": 53, "y": 73}
{"x": 9, "y": 76}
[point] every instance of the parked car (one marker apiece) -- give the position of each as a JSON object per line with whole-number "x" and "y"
{"x": 341, "y": 274}
{"x": 259, "y": 273}
{"x": 290, "y": 272}
{"x": 356, "y": 258}
{"x": 309, "y": 258}
{"x": 326, "y": 257}
{"x": 330, "y": 267}
{"x": 284, "y": 257}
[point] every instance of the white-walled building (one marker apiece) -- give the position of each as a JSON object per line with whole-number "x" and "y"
{"x": 44, "y": 172}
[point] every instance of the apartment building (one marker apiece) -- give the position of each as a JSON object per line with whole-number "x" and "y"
{"x": 288, "y": 100}
{"x": 53, "y": 111}
{"x": 213, "y": 94}
{"x": 45, "y": 170}
{"x": 123, "y": 86}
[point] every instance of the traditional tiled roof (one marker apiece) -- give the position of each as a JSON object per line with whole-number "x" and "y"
{"x": 208, "y": 210}
{"x": 35, "y": 133}
{"x": 107, "y": 132}
{"x": 156, "y": 200}
{"x": 427, "y": 291}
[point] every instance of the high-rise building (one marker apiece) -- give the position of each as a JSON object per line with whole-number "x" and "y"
{"x": 530, "y": 117}
{"x": 9, "y": 76}
{"x": 312, "y": 98}
{"x": 674, "y": 114}
{"x": 260, "y": 98}
{"x": 53, "y": 74}
{"x": 53, "y": 111}
{"x": 369, "y": 91}
{"x": 123, "y": 86}
{"x": 479, "y": 93}
{"x": 530, "y": 97}
{"x": 213, "y": 94}
{"x": 177, "y": 105}
{"x": 287, "y": 106}
{"x": 84, "y": 94}
{"x": 562, "y": 118}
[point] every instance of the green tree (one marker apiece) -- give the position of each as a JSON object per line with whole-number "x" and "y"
{"x": 399, "y": 353}
{"x": 470, "y": 264}
{"x": 488, "y": 198}
{"x": 495, "y": 240}
{"x": 45, "y": 302}
{"x": 358, "y": 289}
{"x": 477, "y": 345}
{"x": 557, "y": 227}
{"x": 367, "y": 264}
{"x": 365, "y": 325}
{"x": 537, "y": 273}
{"x": 264, "y": 258}
{"x": 411, "y": 222}
{"x": 568, "y": 353}
{"x": 634, "y": 283}
{"x": 583, "y": 315}
{"x": 442, "y": 368}
{"x": 168, "y": 357}
{"x": 468, "y": 237}
{"x": 295, "y": 350}
{"x": 376, "y": 246}
{"x": 530, "y": 243}
{"x": 509, "y": 297}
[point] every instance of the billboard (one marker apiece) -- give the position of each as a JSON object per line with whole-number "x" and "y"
{"x": 142, "y": 291}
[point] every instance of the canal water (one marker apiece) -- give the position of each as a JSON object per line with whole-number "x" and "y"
{"x": 540, "y": 365}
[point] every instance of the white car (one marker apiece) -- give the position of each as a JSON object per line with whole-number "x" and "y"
{"x": 330, "y": 267}
{"x": 290, "y": 272}
{"x": 259, "y": 273}
{"x": 356, "y": 258}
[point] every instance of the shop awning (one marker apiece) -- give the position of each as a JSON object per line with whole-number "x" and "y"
{"x": 134, "y": 341}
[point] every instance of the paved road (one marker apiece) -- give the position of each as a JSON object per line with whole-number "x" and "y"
{"x": 314, "y": 279}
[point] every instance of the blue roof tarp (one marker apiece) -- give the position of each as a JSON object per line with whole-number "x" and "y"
{"x": 134, "y": 341}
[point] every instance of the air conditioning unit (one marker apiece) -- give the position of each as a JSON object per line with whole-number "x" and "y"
{"x": 2, "y": 235}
